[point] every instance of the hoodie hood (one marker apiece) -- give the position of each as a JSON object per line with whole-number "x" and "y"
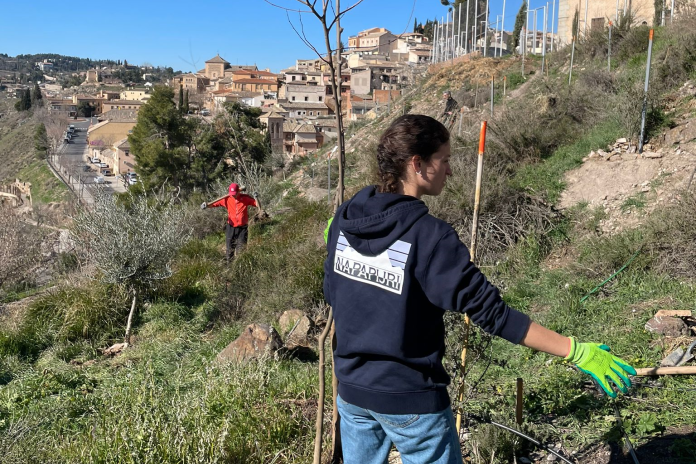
{"x": 373, "y": 221}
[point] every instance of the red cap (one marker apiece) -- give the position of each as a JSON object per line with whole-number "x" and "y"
{"x": 234, "y": 188}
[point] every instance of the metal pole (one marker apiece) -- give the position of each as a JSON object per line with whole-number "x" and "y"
{"x": 662, "y": 21}
{"x": 485, "y": 33}
{"x": 553, "y": 23}
{"x": 535, "y": 39}
{"x": 609, "y": 53}
{"x": 459, "y": 30}
{"x": 453, "y": 47}
{"x": 617, "y": 12}
{"x": 492, "y": 94}
{"x": 586, "y": 8}
{"x": 472, "y": 252}
{"x": 433, "y": 53}
{"x": 502, "y": 30}
{"x": 543, "y": 50}
{"x": 461, "y": 116}
{"x": 475, "y": 21}
{"x": 447, "y": 38}
{"x": 645, "y": 96}
{"x": 572, "y": 54}
{"x": 671, "y": 13}
{"x": 466, "y": 31}
{"x": 504, "y": 85}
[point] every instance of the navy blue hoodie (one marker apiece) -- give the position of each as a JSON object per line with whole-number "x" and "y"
{"x": 391, "y": 273}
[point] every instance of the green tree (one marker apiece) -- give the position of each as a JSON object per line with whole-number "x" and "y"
{"x": 519, "y": 24}
{"x": 576, "y": 23}
{"x": 85, "y": 109}
{"x": 415, "y": 25}
{"x": 186, "y": 102}
{"x": 181, "y": 98}
{"x": 27, "y": 99}
{"x": 162, "y": 142}
{"x": 41, "y": 142}
{"x": 36, "y": 97}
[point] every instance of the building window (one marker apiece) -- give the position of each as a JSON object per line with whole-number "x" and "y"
{"x": 306, "y": 98}
{"x": 293, "y": 78}
{"x": 311, "y": 113}
{"x": 293, "y": 98}
{"x": 321, "y": 98}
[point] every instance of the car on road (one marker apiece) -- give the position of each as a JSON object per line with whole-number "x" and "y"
{"x": 132, "y": 180}
{"x": 106, "y": 172}
{"x": 205, "y": 112}
{"x": 102, "y": 165}
{"x": 95, "y": 160}
{"x": 99, "y": 180}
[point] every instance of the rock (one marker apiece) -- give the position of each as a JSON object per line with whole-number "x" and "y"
{"x": 255, "y": 340}
{"x": 652, "y": 154}
{"x": 615, "y": 158}
{"x": 666, "y": 325}
{"x": 680, "y": 134}
{"x": 623, "y": 140}
{"x": 593, "y": 155}
{"x": 524, "y": 460}
{"x": 300, "y": 337}
{"x": 633, "y": 149}
{"x": 288, "y": 320}
{"x": 602, "y": 153}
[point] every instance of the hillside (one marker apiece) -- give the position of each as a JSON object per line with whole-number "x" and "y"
{"x": 578, "y": 231}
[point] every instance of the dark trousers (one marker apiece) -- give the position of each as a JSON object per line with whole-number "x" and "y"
{"x": 235, "y": 239}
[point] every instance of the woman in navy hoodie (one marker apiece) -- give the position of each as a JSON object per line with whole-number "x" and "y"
{"x": 392, "y": 271}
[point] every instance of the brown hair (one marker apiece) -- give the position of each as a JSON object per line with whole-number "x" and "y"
{"x": 408, "y": 135}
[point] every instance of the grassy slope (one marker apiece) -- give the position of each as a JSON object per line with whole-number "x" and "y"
{"x": 166, "y": 400}
{"x": 17, "y": 158}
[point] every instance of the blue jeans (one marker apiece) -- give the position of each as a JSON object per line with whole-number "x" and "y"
{"x": 367, "y": 436}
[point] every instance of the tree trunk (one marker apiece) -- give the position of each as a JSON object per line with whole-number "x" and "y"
{"x": 130, "y": 318}
{"x": 322, "y": 386}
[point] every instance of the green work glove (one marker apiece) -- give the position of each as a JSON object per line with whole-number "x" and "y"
{"x": 596, "y": 360}
{"x": 326, "y": 231}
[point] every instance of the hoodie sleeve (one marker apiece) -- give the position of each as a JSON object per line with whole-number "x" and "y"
{"x": 452, "y": 282}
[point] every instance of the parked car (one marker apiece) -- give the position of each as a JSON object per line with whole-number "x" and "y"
{"x": 131, "y": 175}
{"x": 99, "y": 180}
{"x": 66, "y": 140}
{"x": 102, "y": 165}
{"x": 132, "y": 180}
{"x": 205, "y": 112}
{"x": 106, "y": 172}
{"x": 95, "y": 160}
{"x": 86, "y": 168}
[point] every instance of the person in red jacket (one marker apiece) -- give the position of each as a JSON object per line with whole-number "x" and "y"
{"x": 236, "y": 230}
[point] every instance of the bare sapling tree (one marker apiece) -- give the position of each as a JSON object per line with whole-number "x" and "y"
{"x": 20, "y": 247}
{"x": 329, "y": 17}
{"x": 132, "y": 243}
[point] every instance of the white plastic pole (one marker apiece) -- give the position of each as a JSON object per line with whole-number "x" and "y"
{"x": 534, "y": 40}
{"x": 447, "y": 38}
{"x": 617, "y": 12}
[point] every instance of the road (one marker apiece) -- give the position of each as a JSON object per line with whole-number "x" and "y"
{"x": 72, "y": 161}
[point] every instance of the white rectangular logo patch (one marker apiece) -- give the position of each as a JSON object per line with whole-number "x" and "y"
{"x": 385, "y": 270}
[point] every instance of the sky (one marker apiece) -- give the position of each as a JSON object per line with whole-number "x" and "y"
{"x": 184, "y": 35}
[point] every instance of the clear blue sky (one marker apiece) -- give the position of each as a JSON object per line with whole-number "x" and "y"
{"x": 184, "y": 35}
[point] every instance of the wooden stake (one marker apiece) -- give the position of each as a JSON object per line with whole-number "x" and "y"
{"x": 681, "y": 370}
{"x": 520, "y": 401}
{"x": 472, "y": 251}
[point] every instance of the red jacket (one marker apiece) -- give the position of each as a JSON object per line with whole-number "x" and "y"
{"x": 237, "y": 214}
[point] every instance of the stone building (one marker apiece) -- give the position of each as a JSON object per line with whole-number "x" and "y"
{"x": 598, "y": 14}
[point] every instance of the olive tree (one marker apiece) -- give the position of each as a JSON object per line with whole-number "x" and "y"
{"x": 131, "y": 242}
